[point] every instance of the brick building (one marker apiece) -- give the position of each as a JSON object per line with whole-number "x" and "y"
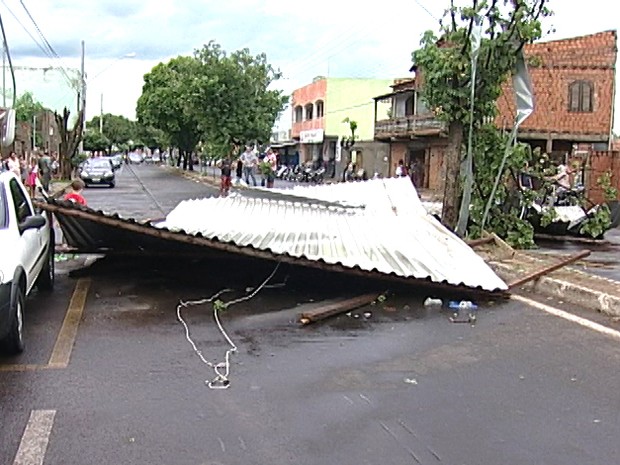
{"x": 574, "y": 89}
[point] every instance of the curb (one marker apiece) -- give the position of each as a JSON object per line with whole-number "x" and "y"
{"x": 568, "y": 291}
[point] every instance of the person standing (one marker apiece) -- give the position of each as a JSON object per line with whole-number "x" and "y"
{"x": 239, "y": 171}
{"x": 225, "y": 171}
{"x": 75, "y": 195}
{"x": 249, "y": 161}
{"x": 271, "y": 164}
{"x": 45, "y": 171}
{"x": 33, "y": 173}
{"x": 14, "y": 165}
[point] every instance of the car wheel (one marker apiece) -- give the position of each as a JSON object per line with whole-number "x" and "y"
{"x": 14, "y": 341}
{"x": 112, "y": 184}
{"x": 45, "y": 281}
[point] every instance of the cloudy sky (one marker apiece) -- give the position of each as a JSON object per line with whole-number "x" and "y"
{"x": 124, "y": 39}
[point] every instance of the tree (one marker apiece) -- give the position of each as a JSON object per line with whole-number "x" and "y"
{"x": 95, "y": 141}
{"x": 165, "y": 104}
{"x": 26, "y": 107}
{"x": 211, "y": 97}
{"x": 444, "y": 64}
{"x": 70, "y": 139}
{"x": 150, "y": 136}
{"x": 232, "y": 94}
{"x": 118, "y": 130}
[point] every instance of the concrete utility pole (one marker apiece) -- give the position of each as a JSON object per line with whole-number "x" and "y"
{"x": 101, "y": 116}
{"x": 83, "y": 109}
{"x": 34, "y": 132}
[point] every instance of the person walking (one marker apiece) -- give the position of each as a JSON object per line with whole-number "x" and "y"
{"x": 239, "y": 172}
{"x": 249, "y": 161}
{"x": 271, "y": 164}
{"x": 225, "y": 171}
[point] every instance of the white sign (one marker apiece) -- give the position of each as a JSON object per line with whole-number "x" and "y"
{"x": 312, "y": 136}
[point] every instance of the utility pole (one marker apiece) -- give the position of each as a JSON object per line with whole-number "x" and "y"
{"x": 34, "y": 132}
{"x": 83, "y": 90}
{"x": 101, "y": 116}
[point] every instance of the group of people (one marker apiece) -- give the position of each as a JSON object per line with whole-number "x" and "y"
{"x": 246, "y": 166}
{"x": 39, "y": 170}
{"x": 32, "y": 169}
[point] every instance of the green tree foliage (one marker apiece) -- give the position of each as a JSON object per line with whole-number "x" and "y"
{"x": 221, "y": 99}
{"x": 232, "y": 92}
{"x": 444, "y": 63}
{"x": 26, "y": 107}
{"x": 95, "y": 141}
{"x": 166, "y": 103}
{"x": 118, "y": 130}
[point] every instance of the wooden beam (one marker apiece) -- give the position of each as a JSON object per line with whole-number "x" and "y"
{"x": 331, "y": 309}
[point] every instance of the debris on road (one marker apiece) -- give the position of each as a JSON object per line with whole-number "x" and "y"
{"x": 334, "y": 308}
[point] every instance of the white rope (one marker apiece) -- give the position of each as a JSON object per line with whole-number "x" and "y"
{"x": 221, "y": 369}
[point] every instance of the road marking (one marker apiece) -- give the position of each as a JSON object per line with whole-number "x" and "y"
{"x": 66, "y": 337}
{"x": 36, "y": 436}
{"x": 68, "y": 332}
{"x": 569, "y": 316}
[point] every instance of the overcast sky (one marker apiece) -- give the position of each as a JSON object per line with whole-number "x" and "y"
{"x": 340, "y": 38}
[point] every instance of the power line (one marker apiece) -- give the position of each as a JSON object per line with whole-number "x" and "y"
{"x": 47, "y": 44}
{"x": 51, "y": 49}
{"x": 43, "y": 49}
{"x": 427, "y": 11}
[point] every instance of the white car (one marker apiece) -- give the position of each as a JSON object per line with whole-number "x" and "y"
{"x": 26, "y": 258}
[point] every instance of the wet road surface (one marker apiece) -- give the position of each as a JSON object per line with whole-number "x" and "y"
{"x": 391, "y": 383}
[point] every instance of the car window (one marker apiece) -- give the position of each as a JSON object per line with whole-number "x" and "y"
{"x": 98, "y": 163}
{"x": 20, "y": 201}
{"x": 4, "y": 212}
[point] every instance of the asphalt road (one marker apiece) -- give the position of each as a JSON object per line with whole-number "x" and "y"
{"x": 114, "y": 381}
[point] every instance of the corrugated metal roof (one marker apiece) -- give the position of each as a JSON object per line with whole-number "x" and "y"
{"x": 390, "y": 232}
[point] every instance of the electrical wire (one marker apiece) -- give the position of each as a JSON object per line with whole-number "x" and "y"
{"x": 5, "y": 46}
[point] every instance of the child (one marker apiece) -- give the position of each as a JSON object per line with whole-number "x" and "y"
{"x": 75, "y": 196}
{"x": 33, "y": 173}
{"x": 225, "y": 169}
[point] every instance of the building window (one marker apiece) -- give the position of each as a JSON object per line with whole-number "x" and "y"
{"x": 409, "y": 106}
{"x": 580, "y": 96}
{"x": 319, "y": 109}
{"x": 299, "y": 114}
{"x": 309, "y": 108}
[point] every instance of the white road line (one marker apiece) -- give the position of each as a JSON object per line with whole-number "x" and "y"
{"x": 35, "y": 438}
{"x": 569, "y": 316}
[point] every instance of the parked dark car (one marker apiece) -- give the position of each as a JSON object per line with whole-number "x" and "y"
{"x": 98, "y": 171}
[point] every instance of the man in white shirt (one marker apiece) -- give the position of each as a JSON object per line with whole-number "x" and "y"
{"x": 249, "y": 160}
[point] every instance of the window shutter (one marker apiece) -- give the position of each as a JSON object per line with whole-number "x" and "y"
{"x": 586, "y": 96}
{"x": 573, "y": 97}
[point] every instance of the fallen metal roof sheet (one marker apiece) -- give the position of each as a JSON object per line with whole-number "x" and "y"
{"x": 387, "y": 235}
{"x": 390, "y": 233}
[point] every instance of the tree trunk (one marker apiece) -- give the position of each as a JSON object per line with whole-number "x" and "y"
{"x": 185, "y": 157}
{"x": 69, "y": 140}
{"x": 452, "y": 188}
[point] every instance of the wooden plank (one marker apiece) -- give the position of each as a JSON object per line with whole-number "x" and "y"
{"x": 331, "y": 309}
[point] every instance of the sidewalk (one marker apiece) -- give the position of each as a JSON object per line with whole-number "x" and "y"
{"x": 569, "y": 284}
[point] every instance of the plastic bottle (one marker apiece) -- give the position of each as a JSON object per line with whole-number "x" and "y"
{"x": 467, "y": 305}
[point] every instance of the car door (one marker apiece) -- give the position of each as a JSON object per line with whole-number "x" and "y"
{"x": 30, "y": 241}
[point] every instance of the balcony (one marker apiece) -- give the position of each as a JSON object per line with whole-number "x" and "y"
{"x": 410, "y": 126}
